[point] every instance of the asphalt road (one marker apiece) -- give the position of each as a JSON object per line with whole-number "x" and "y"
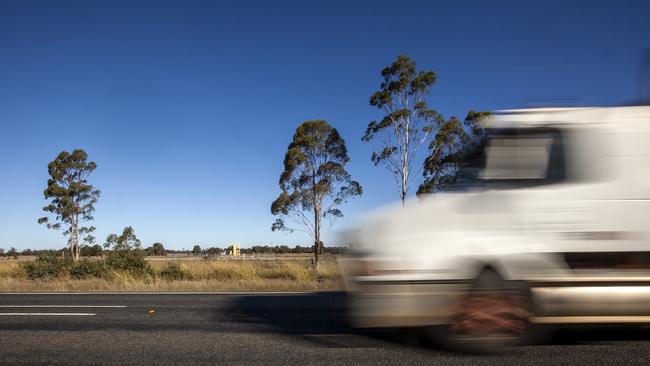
{"x": 286, "y": 329}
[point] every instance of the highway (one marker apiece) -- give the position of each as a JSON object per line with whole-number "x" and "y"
{"x": 250, "y": 329}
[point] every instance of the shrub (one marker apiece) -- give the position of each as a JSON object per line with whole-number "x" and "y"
{"x": 86, "y": 268}
{"x": 91, "y": 251}
{"x": 131, "y": 261}
{"x": 173, "y": 271}
{"x": 47, "y": 265}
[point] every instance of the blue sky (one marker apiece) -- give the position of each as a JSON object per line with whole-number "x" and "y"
{"x": 188, "y": 107}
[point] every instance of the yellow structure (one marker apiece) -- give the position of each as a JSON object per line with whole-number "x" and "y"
{"x": 233, "y": 250}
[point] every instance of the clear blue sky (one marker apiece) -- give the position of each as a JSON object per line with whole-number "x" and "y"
{"x": 188, "y": 107}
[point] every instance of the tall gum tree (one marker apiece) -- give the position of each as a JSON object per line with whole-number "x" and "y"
{"x": 314, "y": 182}
{"x": 71, "y": 198}
{"x": 407, "y": 121}
{"x": 452, "y": 141}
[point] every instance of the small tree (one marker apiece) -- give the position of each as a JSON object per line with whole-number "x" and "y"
{"x": 96, "y": 250}
{"x": 126, "y": 254}
{"x": 2, "y": 252}
{"x": 447, "y": 149}
{"x": 196, "y": 250}
{"x": 12, "y": 253}
{"x": 314, "y": 181}
{"x": 158, "y": 249}
{"x": 72, "y": 198}
{"x": 126, "y": 241}
{"x": 214, "y": 251}
{"x": 406, "y": 123}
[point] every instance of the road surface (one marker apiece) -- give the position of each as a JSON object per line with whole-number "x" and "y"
{"x": 284, "y": 329}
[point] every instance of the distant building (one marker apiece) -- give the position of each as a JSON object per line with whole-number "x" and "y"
{"x": 234, "y": 250}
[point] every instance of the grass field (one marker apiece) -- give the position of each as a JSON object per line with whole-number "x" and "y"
{"x": 189, "y": 275}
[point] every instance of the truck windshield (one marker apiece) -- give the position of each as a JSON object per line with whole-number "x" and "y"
{"x": 508, "y": 158}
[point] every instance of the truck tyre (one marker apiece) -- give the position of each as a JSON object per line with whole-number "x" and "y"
{"x": 492, "y": 316}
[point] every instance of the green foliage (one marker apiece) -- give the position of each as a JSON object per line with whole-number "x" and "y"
{"x": 71, "y": 197}
{"x": 85, "y": 268}
{"x": 91, "y": 251}
{"x": 12, "y": 252}
{"x": 407, "y": 121}
{"x": 131, "y": 261}
{"x": 314, "y": 176}
{"x": 214, "y": 251}
{"x": 314, "y": 181}
{"x": 156, "y": 249}
{"x": 125, "y": 241}
{"x": 196, "y": 250}
{"x": 281, "y": 249}
{"x": 47, "y": 265}
{"x": 447, "y": 149}
{"x": 126, "y": 254}
{"x": 173, "y": 271}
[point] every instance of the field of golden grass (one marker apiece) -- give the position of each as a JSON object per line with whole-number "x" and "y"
{"x": 191, "y": 275}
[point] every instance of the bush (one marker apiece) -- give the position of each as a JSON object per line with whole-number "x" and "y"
{"x": 86, "y": 268}
{"x": 173, "y": 271}
{"x": 47, "y": 265}
{"x": 131, "y": 261}
{"x": 91, "y": 251}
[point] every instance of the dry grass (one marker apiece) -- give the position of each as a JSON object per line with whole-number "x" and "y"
{"x": 11, "y": 269}
{"x": 205, "y": 275}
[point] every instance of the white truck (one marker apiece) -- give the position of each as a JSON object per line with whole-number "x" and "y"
{"x": 549, "y": 224}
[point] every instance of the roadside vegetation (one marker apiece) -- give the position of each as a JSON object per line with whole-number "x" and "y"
{"x": 49, "y": 272}
{"x": 122, "y": 265}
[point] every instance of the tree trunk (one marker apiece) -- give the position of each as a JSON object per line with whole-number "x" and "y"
{"x": 77, "y": 247}
{"x": 317, "y": 207}
{"x": 317, "y": 242}
{"x": 71, "y": 242}
{"x": 404, "y": 184}
{"x": 74, "y": 239}
{"x": 317, "y": 237}
{"x": 405, "y": 164}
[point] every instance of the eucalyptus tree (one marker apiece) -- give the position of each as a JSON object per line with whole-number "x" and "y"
{"x": 127, "y": 241}
{"x": 158, "y": 249}
{"x": 406, "y": 123}
{"x": 452, "y": 141}
{"x": 126, "y": 253}
{"x": 314, "y": 182}
{"x": 71, "y": 198}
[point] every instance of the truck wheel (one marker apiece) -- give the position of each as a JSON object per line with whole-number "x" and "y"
{"x": 492, "y": 316}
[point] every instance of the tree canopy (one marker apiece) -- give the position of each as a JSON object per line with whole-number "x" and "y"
{"x": 158, "y": 249}
{"x": 447, "y": 150}
{"x": 407, "y": 120}
{"x": 127, "y": 241}
{"x": 314, "y": 182}
{"x": 72, "y": 198}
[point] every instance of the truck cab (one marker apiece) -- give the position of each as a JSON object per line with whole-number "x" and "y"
{"x": 549, "y": 223}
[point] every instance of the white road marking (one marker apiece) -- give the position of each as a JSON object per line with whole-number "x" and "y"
{"x": 62, "y": 306}
{"x": 47, "y": 314}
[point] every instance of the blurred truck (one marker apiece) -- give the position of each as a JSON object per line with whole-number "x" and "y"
{"x": 549, "y": 223}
